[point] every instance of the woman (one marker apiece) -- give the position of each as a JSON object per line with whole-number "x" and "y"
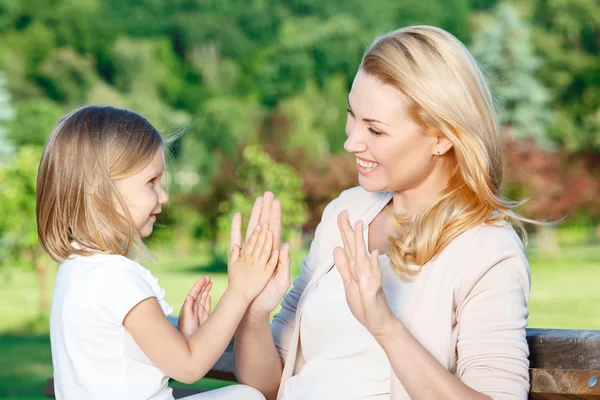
{"x": 428, "y": 297}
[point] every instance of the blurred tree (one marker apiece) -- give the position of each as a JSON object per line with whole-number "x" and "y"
{"x": 6, "y": 114}
{"x": 33, "y": 122}
{"x": 566, "y": 37}
{"x": 502, "y": 45}
{"x": 19, "y": 245}
{"x": 257, "y": 173}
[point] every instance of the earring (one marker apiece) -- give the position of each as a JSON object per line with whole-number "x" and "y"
{"x": 437, "y": 153}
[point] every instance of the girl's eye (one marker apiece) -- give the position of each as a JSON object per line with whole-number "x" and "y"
{"x": 375, "y": 132}
{"x": 349, "y": 111}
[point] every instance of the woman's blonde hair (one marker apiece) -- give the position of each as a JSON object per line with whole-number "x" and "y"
{"x": 76, "y": 199}
{"x": 448, "y": 95}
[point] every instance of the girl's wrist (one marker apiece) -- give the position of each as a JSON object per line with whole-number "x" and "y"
{"x": 238, "y": 297}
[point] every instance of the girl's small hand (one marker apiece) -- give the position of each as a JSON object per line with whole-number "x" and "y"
{"x": 250, "y": 269}
{"x": 196, "y": 307}
{"x": 362, "y": 279}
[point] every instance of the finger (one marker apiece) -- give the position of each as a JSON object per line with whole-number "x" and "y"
{"x": 275, "y": 223}
{"x": 246, "y": 251}
{"x": 208, "y": 304}
{"x": 255, "y": 251}
{"x": 374, "y": 258}
{"x": 236, "y": 231}
{"x": 234, "y": 255}
{"x": 347, "y": 233}
{"x": 359, "y": 242}
{"x": 186, "y": 306}
{"x": 262, "y": 254}
{"x": 265, "y": 215}
{"x": 206, "y": 300}
{"x": 341, "y": 263}
{"x": 202, "y": 297}
{"x": 254, "y": 217}
{"x": 283, "y": 266}
{"x": 197, "y": 288}
{"x": 196, "y": 305}
{"x": 272, "y": 263}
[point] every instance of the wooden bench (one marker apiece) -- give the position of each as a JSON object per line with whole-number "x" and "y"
{"x": 564, "y": 364}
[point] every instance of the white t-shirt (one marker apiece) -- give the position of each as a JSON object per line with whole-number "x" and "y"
{"x": 342, "y": 360}
{"x": 94, "y": 356}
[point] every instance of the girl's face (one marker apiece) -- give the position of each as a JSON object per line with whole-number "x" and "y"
{"x": 392, "y": 152}
{"x": 144, "y": 195}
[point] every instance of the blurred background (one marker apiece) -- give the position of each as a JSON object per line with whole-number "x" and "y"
{"x": 259, "y": 87}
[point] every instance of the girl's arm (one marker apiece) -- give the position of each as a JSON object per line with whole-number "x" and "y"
{"x": 189, "y": 360}
{"x": 185, "y": 360}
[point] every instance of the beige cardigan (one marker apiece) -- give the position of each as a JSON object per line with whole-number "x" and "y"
{"x": 468, "y": 306}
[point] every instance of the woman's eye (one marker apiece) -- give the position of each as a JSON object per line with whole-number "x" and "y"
{"x": 349, "y": 111}
{"x": 374, "y": 132}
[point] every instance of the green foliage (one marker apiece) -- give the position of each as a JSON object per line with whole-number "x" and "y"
{"x": 256, "y": 174}
{"x": 33, "y": 122}
{"x": 565, "y": 36}
{"x": 6, "y": 115}
{"x": 502, "y": 45}
{"x": 18, "y": 229}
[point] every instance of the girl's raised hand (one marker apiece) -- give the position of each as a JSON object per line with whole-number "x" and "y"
{"x": 250, "y": 268}
{"x": 362, "y": 279}
{"x": 196, "y": 307}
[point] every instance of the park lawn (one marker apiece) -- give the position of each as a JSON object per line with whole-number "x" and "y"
{"x": 564, "y": 295}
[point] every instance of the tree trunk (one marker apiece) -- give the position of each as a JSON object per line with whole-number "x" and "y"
{"x": 546, "y": 241}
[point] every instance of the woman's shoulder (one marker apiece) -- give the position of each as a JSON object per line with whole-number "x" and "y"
{"x": 491, "y": 240}
{"x": 355, "y": 200}
{"x": 480, "y": 249}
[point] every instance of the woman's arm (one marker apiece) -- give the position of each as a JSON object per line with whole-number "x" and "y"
{"x": 492, "y": 348}
{"x": 260, "y": 349}
{"x": 491, "y": 322}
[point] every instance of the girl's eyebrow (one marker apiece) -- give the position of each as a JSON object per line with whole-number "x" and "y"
{"x": 366, "y": 119}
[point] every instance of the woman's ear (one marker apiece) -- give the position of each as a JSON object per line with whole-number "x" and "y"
{"x": 441, "y": 144}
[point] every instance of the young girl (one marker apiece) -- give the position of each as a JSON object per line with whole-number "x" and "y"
{"x": 98, "y": 194}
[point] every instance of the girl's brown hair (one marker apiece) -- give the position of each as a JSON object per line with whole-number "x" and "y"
{"x": 76, "y": 200}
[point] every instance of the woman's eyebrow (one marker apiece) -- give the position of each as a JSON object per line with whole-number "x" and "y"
{"x": 366, "y": 119}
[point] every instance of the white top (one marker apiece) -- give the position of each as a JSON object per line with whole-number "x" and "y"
{"x": 346, "y": 362}
{"x": 467, "y": 306}
{"x": 94, "y": 356}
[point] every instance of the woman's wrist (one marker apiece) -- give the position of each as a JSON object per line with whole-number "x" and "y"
{"x": 396, "y": 332}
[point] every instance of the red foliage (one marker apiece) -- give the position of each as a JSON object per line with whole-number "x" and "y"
{"x": 558, "y": 183}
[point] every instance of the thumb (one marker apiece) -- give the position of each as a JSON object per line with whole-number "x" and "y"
{"x": 186, "y": 308}
{"x": 234, "y": 254}
{"x": 283, "y": 269}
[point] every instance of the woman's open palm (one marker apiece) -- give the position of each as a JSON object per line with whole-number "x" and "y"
{"x": 362, "y": 279}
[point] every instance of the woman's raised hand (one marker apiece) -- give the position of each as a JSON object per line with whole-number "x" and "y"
{"x": 362, "y": 279}
{"x": 267, "y": 210}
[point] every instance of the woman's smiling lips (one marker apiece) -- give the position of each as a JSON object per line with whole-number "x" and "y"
{"x": 366, "y": 167}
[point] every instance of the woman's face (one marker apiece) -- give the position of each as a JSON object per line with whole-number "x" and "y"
{"x": 392, "y": 152}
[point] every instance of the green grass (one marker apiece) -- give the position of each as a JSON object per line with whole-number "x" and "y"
{"x": 564, "y": 295}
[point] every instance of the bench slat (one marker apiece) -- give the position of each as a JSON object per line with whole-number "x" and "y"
{"x": 564, "y": 349}
{"x": 552, "y": 384}
{"x": 562, "y": 362}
